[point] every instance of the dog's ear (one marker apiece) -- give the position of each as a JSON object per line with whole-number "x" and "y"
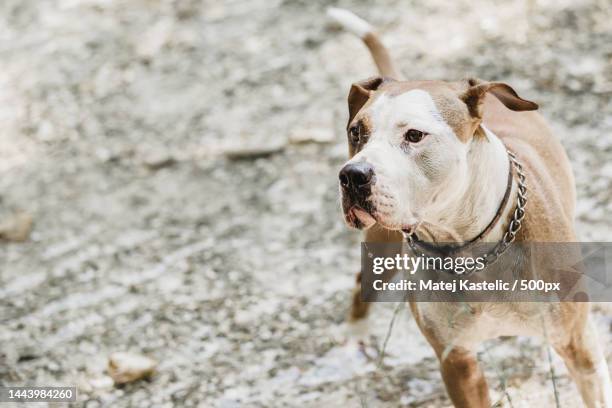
{"x": 360, "y": 93}
{"x": 474, "y": 96}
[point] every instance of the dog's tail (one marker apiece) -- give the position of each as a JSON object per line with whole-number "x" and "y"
{"x": 362, "y": 29}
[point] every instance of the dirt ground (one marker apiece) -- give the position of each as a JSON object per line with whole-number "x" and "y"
{"x": 235, "y": 275}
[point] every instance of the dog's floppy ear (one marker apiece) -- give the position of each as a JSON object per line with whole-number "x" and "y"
{"x": 360, "y": 93}
{"x": 474, "y": 96}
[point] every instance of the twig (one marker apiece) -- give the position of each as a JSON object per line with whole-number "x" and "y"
{"x": 550, "y": 364}
{"x": 381, "y": 354}
{"x": 501, "y": 377}
{"x": 552, "y": 376}
{"x": 363, "y": 350}
{"x": 389, "y": 330}
{"x": 362, "y": 397}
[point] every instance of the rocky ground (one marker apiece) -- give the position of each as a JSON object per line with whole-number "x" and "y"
{"x": 128, "y": 134}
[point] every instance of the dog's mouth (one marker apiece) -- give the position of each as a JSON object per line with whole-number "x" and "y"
{"x": 362, "y": 213}
{"x": 357, "y": 217}
{"x": 361, "y": 218}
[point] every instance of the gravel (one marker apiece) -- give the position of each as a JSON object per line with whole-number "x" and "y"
{"x": 118, "y": 120}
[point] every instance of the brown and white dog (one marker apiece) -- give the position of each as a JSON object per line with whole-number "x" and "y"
{"x": 431, "y": 157}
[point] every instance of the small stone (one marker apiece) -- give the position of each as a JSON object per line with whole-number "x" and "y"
{"x": 606, "y": 170}
{"x": 46, "y": 131}
{"x": 127, "y": 367}
{"x": 254, "y": 152}
{"x": 159, "y": 160}
{"x": 16, "y": 228}
{"x": 153, "y": 40}
{"x": 83, "y": 385}
{"x": 98, "y": 383}
{"x": 312, "y": 135}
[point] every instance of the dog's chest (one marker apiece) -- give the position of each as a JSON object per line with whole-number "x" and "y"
{"x": 466, "y": 325}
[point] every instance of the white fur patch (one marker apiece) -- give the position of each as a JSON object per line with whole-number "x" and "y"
{"x": 603, "y": 378}
{"x": 415, "y": 108}
{"x": 349, "y": 21}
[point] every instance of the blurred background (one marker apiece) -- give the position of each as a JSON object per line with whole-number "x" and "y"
{"x": 168, "y": 189}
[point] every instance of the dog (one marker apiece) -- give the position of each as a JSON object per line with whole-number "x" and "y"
{"x": 430, "y": 159}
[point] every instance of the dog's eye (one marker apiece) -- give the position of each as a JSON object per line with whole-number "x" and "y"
{"x": 414, "y": 136}
{"x": 354, "y": 134}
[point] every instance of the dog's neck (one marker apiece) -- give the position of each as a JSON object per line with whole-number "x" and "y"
{"x": 480, "y": 199}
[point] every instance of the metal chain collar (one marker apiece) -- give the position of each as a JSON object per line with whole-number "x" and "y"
{"x": 513, "y": 227}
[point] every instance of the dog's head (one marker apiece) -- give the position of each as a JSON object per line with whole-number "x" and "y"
{"x": 409, "y": 144}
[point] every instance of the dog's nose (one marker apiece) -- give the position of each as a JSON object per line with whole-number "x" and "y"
{"x": 356, "y": 175}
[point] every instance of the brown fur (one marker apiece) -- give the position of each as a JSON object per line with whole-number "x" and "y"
{"x": 381, "y": 56}
{"x": 549, "y": 218}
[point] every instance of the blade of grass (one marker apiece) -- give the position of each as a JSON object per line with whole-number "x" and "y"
{"x": 381, "y": 356}
{"x": 550, "y": 365}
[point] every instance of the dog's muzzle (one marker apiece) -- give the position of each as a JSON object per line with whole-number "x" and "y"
{"x": 356, "y": 181}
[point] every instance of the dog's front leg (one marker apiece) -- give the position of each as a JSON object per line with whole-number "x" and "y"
{"x": 465, "y": 382}
{"x": 587, "y": 365}
{"x": 359, "y": 308}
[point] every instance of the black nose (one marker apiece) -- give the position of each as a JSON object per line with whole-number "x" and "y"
{"x": 356, "y": 175}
